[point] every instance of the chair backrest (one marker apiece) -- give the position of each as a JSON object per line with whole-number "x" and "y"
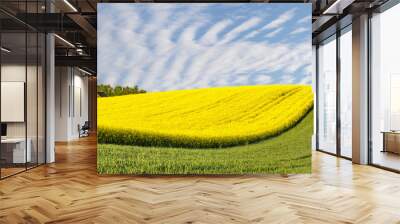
{"x": 86, "y": 125}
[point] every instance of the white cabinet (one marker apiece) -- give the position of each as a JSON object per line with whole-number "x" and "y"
{"x": 19, "y": 155}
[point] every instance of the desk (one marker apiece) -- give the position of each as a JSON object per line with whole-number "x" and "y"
{"x": 15, "y": 148}
{"x": 391, "y": 141}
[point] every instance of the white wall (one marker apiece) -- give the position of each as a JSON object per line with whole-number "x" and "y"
{"x": 16, "y": 73}
{"x": 71, "y": 87}
{"x": 33, "y": 126}
{"x": 79, "y": 103}
{"x": 62, "y": 82}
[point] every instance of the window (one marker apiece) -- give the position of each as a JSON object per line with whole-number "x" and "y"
{"x": 346, "y": 92}
{"x": 327, "y": 95}
{"x": 22, "y": 89}
{"x": 385, "y": 89}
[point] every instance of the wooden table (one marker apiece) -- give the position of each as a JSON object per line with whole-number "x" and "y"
{"x": 391, "y": 141}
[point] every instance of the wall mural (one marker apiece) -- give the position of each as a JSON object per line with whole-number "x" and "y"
{"x": 204, "y": 88}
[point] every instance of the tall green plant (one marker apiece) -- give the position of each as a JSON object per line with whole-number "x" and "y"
{"x": 107, "y": 90}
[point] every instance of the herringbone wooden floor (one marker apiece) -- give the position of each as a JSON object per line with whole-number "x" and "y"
{"x": 70, "y": 191}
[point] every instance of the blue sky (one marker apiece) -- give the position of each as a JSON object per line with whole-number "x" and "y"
{"x": 163, "y": 47}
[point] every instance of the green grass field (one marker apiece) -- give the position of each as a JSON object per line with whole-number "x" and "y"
{"x": 287, "y": 153}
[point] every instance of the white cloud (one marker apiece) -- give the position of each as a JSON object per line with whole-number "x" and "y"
{"x": 305, "y": 19}
{"x": 274, "y": 33}
{"x": 212, "y": 34}
{"x": 252, "y": 34}
{"x": 282, "y": 19}
{"x": 275, "y": 24}
{"x": 288, "y": 79}
{"x": 241, "y": 28}
{"x": 299, "y": 30}
{"x": 308, "y": 69}
{"x": 306, "y": 80}
{"x": 264, "y": 79}
{"x": 185, "y": 49}
{"x": 241, "y": 78}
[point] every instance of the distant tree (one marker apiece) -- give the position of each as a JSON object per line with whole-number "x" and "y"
{"x": 107, "y": 90}
{"x": 118, "y": 91}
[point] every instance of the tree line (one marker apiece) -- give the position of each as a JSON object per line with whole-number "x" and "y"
{"x": 108, "y": 90}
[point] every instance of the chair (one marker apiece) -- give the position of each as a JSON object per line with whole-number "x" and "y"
{"x": 84, "y": 130}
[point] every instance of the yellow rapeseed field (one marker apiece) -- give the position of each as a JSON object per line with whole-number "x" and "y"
{"x": 199, "y": 118}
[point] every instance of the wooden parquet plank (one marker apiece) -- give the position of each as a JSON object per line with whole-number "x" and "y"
{"x": 70, "y": 191}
